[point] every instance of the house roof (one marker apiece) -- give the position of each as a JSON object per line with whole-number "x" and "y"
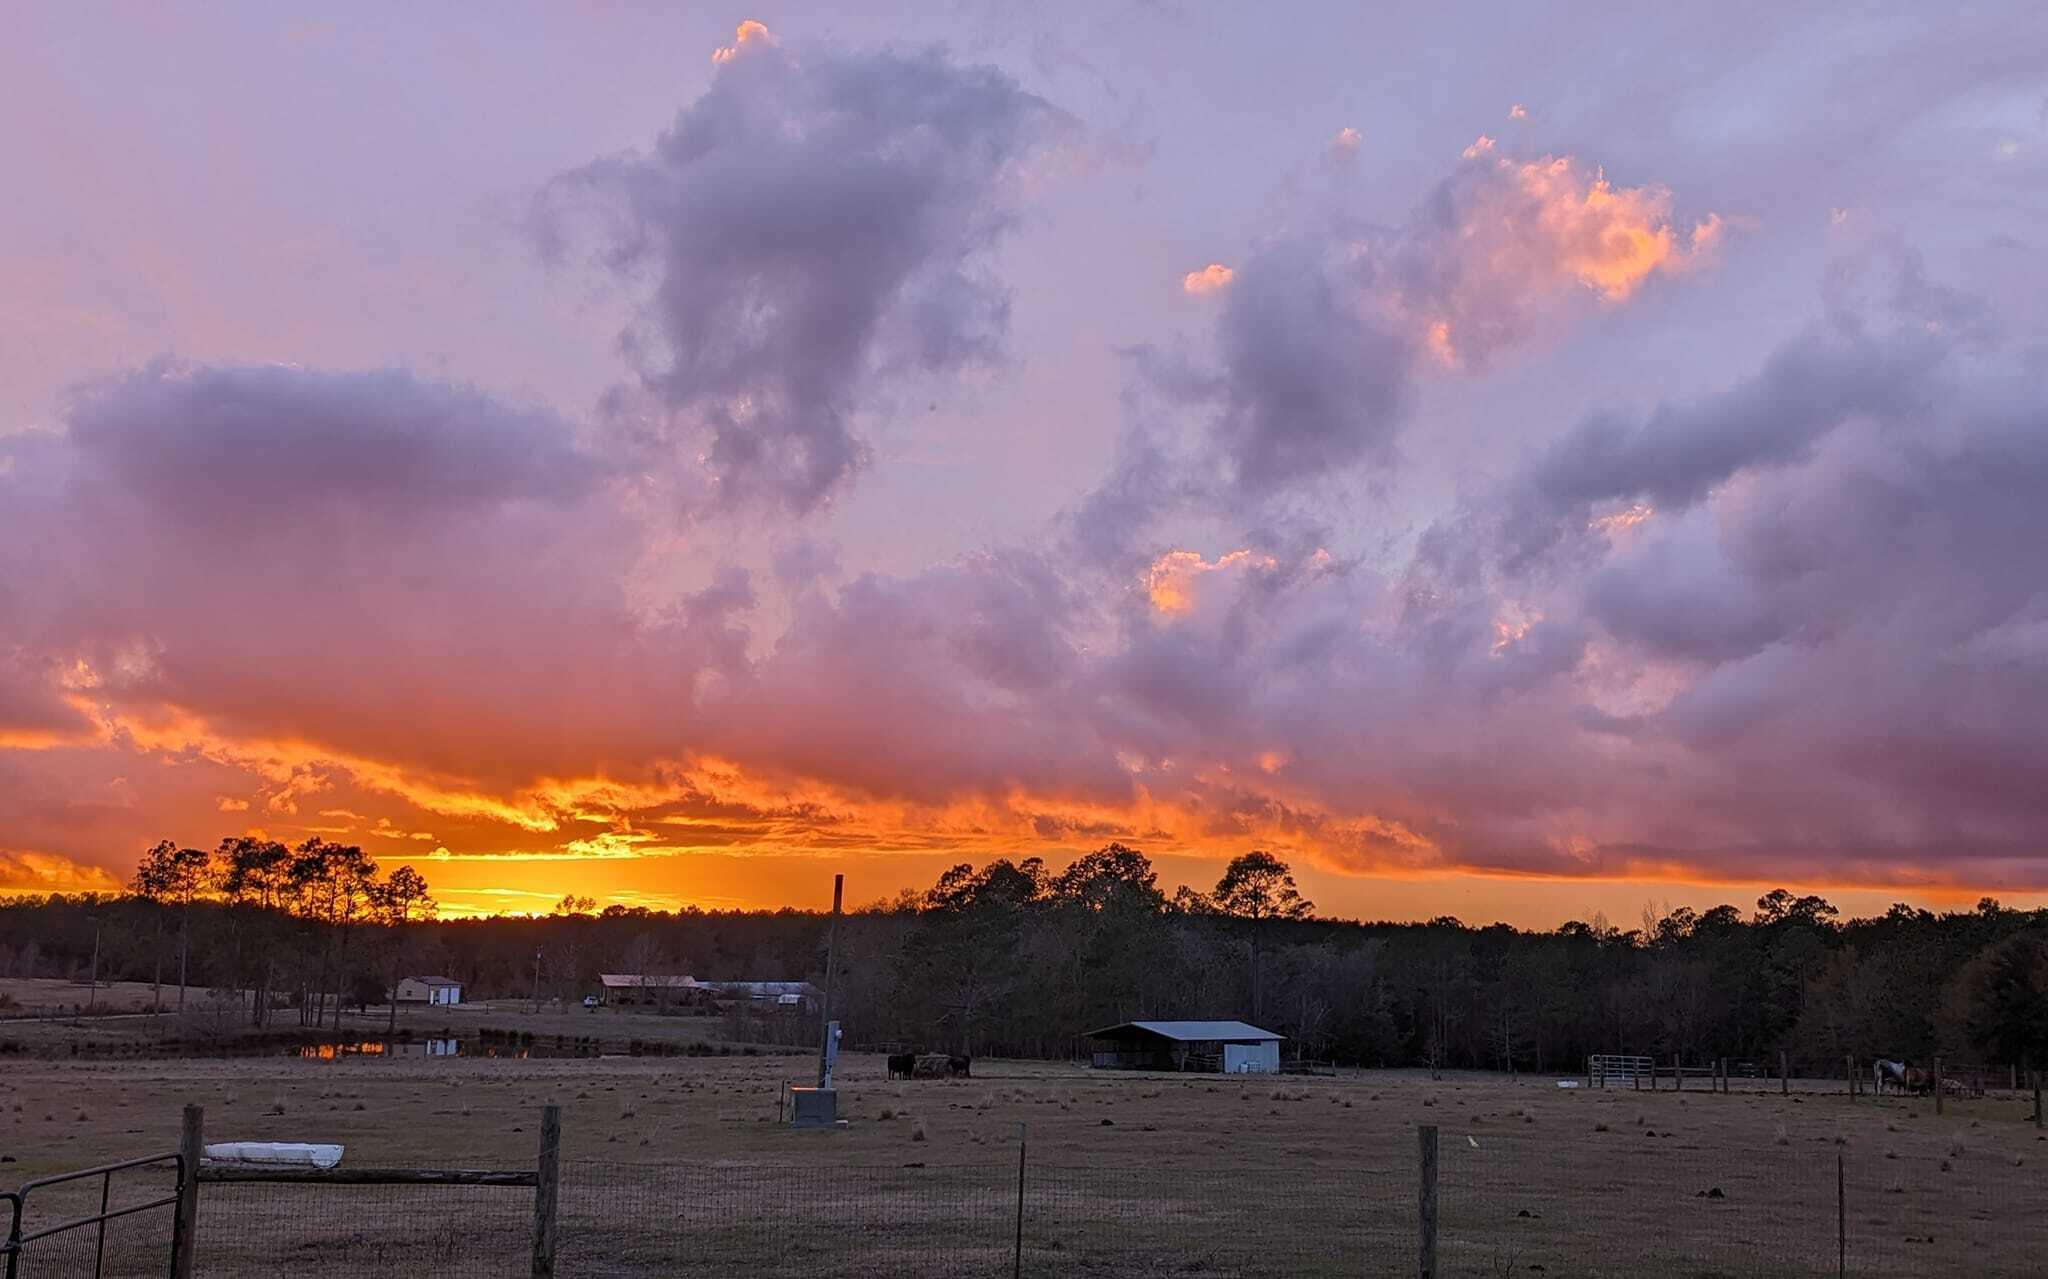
{"x": 435, "y": 981}
{"x": 1189, "y": 1032}
{"x": 646, "y": 981}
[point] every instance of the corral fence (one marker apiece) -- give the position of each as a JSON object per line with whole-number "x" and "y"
{"x": 1850, "y": 1075}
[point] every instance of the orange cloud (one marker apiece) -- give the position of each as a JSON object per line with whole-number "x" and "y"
{"x": 1213, "y": 278}
{"x": 26, "y": 872}
{"x": 1173, "y": 581}
{"x": 1619, "y": 522}
{"x": 1608, "y": 238}
{"x": 1518, "y": 233}
{"x": 750, "y": 32}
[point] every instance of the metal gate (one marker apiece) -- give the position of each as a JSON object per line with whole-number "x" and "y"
{"x": 59, "y": 1239}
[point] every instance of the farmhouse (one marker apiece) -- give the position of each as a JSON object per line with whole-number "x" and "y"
{"x": 428, "y": 990}
{"x": 1231, "y": 1047}
{"x": 645, "y": 988}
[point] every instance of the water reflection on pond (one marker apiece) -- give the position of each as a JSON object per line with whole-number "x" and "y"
{"x": 432, "y": 1047}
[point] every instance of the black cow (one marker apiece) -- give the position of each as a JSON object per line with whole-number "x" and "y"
{"x": 961, "y": 1066}
{"x": 901, "y": 1064}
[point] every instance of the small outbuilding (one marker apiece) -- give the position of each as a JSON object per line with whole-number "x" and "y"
{"x": 428, "y": 990}
{"x": 1228, "y": 1047}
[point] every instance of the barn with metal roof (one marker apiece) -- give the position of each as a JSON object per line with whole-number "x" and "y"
{"x": 1229, "y": 1047}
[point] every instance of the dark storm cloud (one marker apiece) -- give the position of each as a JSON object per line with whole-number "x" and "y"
{"x": 1676, "y": 454}
{"x": 1310, "y": 384}
{"x": 813, "y": 227}
{"x": 230, "y": 443}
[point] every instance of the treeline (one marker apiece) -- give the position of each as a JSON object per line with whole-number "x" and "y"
{"x": 1013, "y": 958}
{"x": 307, "y": 928}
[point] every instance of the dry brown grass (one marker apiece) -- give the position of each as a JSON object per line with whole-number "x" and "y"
{"x": 1581, "y": 1182}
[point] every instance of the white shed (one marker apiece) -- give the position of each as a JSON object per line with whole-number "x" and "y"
{"x": 428, "y": 990}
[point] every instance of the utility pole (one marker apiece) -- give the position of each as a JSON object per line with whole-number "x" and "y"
{"x": 825, "y": 1053}
{"x": 536, "y": 981}
{"x": 92, "y": 998}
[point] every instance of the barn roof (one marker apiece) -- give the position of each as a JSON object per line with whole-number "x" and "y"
{"x": 644, "y": 981}
{"x": 435, "y": 981}
{"x": 1189, "y": 1032}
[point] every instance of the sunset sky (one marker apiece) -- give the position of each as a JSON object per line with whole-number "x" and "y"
{"x": 1510, "y": 465}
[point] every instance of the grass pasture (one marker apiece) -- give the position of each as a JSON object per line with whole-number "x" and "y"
{"x": 675, "y": 1165}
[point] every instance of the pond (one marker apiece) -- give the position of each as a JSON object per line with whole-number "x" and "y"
{"x": 337, "y": 1050}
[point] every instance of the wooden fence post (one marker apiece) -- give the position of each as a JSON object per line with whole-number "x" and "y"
{"x": 185, "y": 1225}
{"x": 1849, "y": 1076}
{"x": 1677, "y": 1074}
{"x": 1842, "y": 1218}
{"x": 1426, "y": 1202}
{"x": 1017, "y": 1253}
{"x": 546, "y": 1192}
{"x": 1937, "y": 1085}
{"x": 1784, "y": 1078}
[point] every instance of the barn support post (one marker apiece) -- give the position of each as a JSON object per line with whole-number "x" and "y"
{"x": 1849, "y": 1076}
{"x": 547, "y": 1192}
{"x": 185, "y": 1224}
{"x": 1426, "y": 1202}
{"x": 1677, "y": 1074}
{"x": 1937, "y": 1085}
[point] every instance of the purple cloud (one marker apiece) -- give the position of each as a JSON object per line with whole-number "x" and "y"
{"x": 813, "y": 229}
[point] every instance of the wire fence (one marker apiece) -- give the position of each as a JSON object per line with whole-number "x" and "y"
{"x": 274, "y": 1228}
{"x": 915, "y": 1220}
{"x": 1630, "y": 1197}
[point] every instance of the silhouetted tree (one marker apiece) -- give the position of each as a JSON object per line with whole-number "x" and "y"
{"x": 396, "y": 903}
{"x": 172, "y": 876}
{"x": 2003, "y": 999}
{"x": 1258, "y": 887}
